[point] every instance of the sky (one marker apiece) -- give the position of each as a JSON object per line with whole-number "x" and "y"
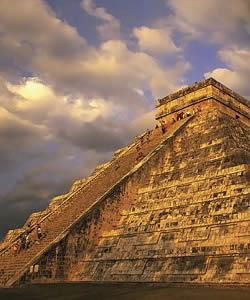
{"x": 79, "y": 79}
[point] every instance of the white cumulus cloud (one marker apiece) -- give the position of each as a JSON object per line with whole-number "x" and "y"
{"x": 237, "y": 73}
{"x": 156, "y": 41}
{"x": 110, "y": 29}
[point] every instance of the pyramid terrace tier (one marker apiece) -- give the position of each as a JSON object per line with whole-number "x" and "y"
{"x": 206, "y": 95}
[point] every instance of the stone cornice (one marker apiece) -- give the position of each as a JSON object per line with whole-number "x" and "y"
{"x": 236, "y": 109}
{"x": 199, "y": 85}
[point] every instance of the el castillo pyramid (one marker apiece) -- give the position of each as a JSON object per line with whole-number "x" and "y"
{"x": 180, "y": 212}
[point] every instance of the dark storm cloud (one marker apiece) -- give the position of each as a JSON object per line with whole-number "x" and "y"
{"x": 37, "y": 186}
{"x": 7, "y": 161}
{"x": 101, "y": 136}
{"x": 30, "y": 192}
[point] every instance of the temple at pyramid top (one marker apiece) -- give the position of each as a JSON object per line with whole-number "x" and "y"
{"x": 207, "y": 94}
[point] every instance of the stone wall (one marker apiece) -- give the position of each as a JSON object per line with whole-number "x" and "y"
{"x": 184, "y": 216}
{"x": 201, "y": 95}
{"x": 201, "y": 86}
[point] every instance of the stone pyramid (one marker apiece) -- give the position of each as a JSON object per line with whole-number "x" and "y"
{"x": 180, "y": 212}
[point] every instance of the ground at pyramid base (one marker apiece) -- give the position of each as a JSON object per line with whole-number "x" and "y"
{"x": 172, "y": 207}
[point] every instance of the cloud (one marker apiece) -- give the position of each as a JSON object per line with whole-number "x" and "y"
{"x": 226, "y": 76}
{"x": 238, "y": 72}
{"x": 205, "y": 17}
{"x": 146, "y": 120}
{"x": 110, "y": 29}
{"x": 56, "y": 53}
{"x": 47, "y": 31}
{"x": 14, "y": 128}
{"x": 113, "y": 71}
{"x": 78, "y": 104}
{"x": 129, "y": 70}
{"x": 44, "y": 134}
{"x": 58, "y": 114}
{"x": 89, "y": 124}
{"x": 156, "y": 41}
{"x": 38, "y": 101}
{"x": 202, "y": 21}
{"x": 23, "y": 45}
{"x": 32, "y": 191}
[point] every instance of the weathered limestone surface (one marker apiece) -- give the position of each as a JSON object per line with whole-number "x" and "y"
{"x": 210, "y": 94}
{"x": 183, "y": 217}
{"x": 182, "y": 214}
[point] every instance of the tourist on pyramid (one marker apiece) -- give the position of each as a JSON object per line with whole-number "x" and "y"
{"x": 141, "y": 140}
{"x": 148, "y": 135}
{"x": 27, "y": 241}
{"x": 16, "y": 247}
{"x": 163, "y": 127}
{"x": 39, "y": 232}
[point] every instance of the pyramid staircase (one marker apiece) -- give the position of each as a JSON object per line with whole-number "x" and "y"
{"x": 58, "y": 223}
